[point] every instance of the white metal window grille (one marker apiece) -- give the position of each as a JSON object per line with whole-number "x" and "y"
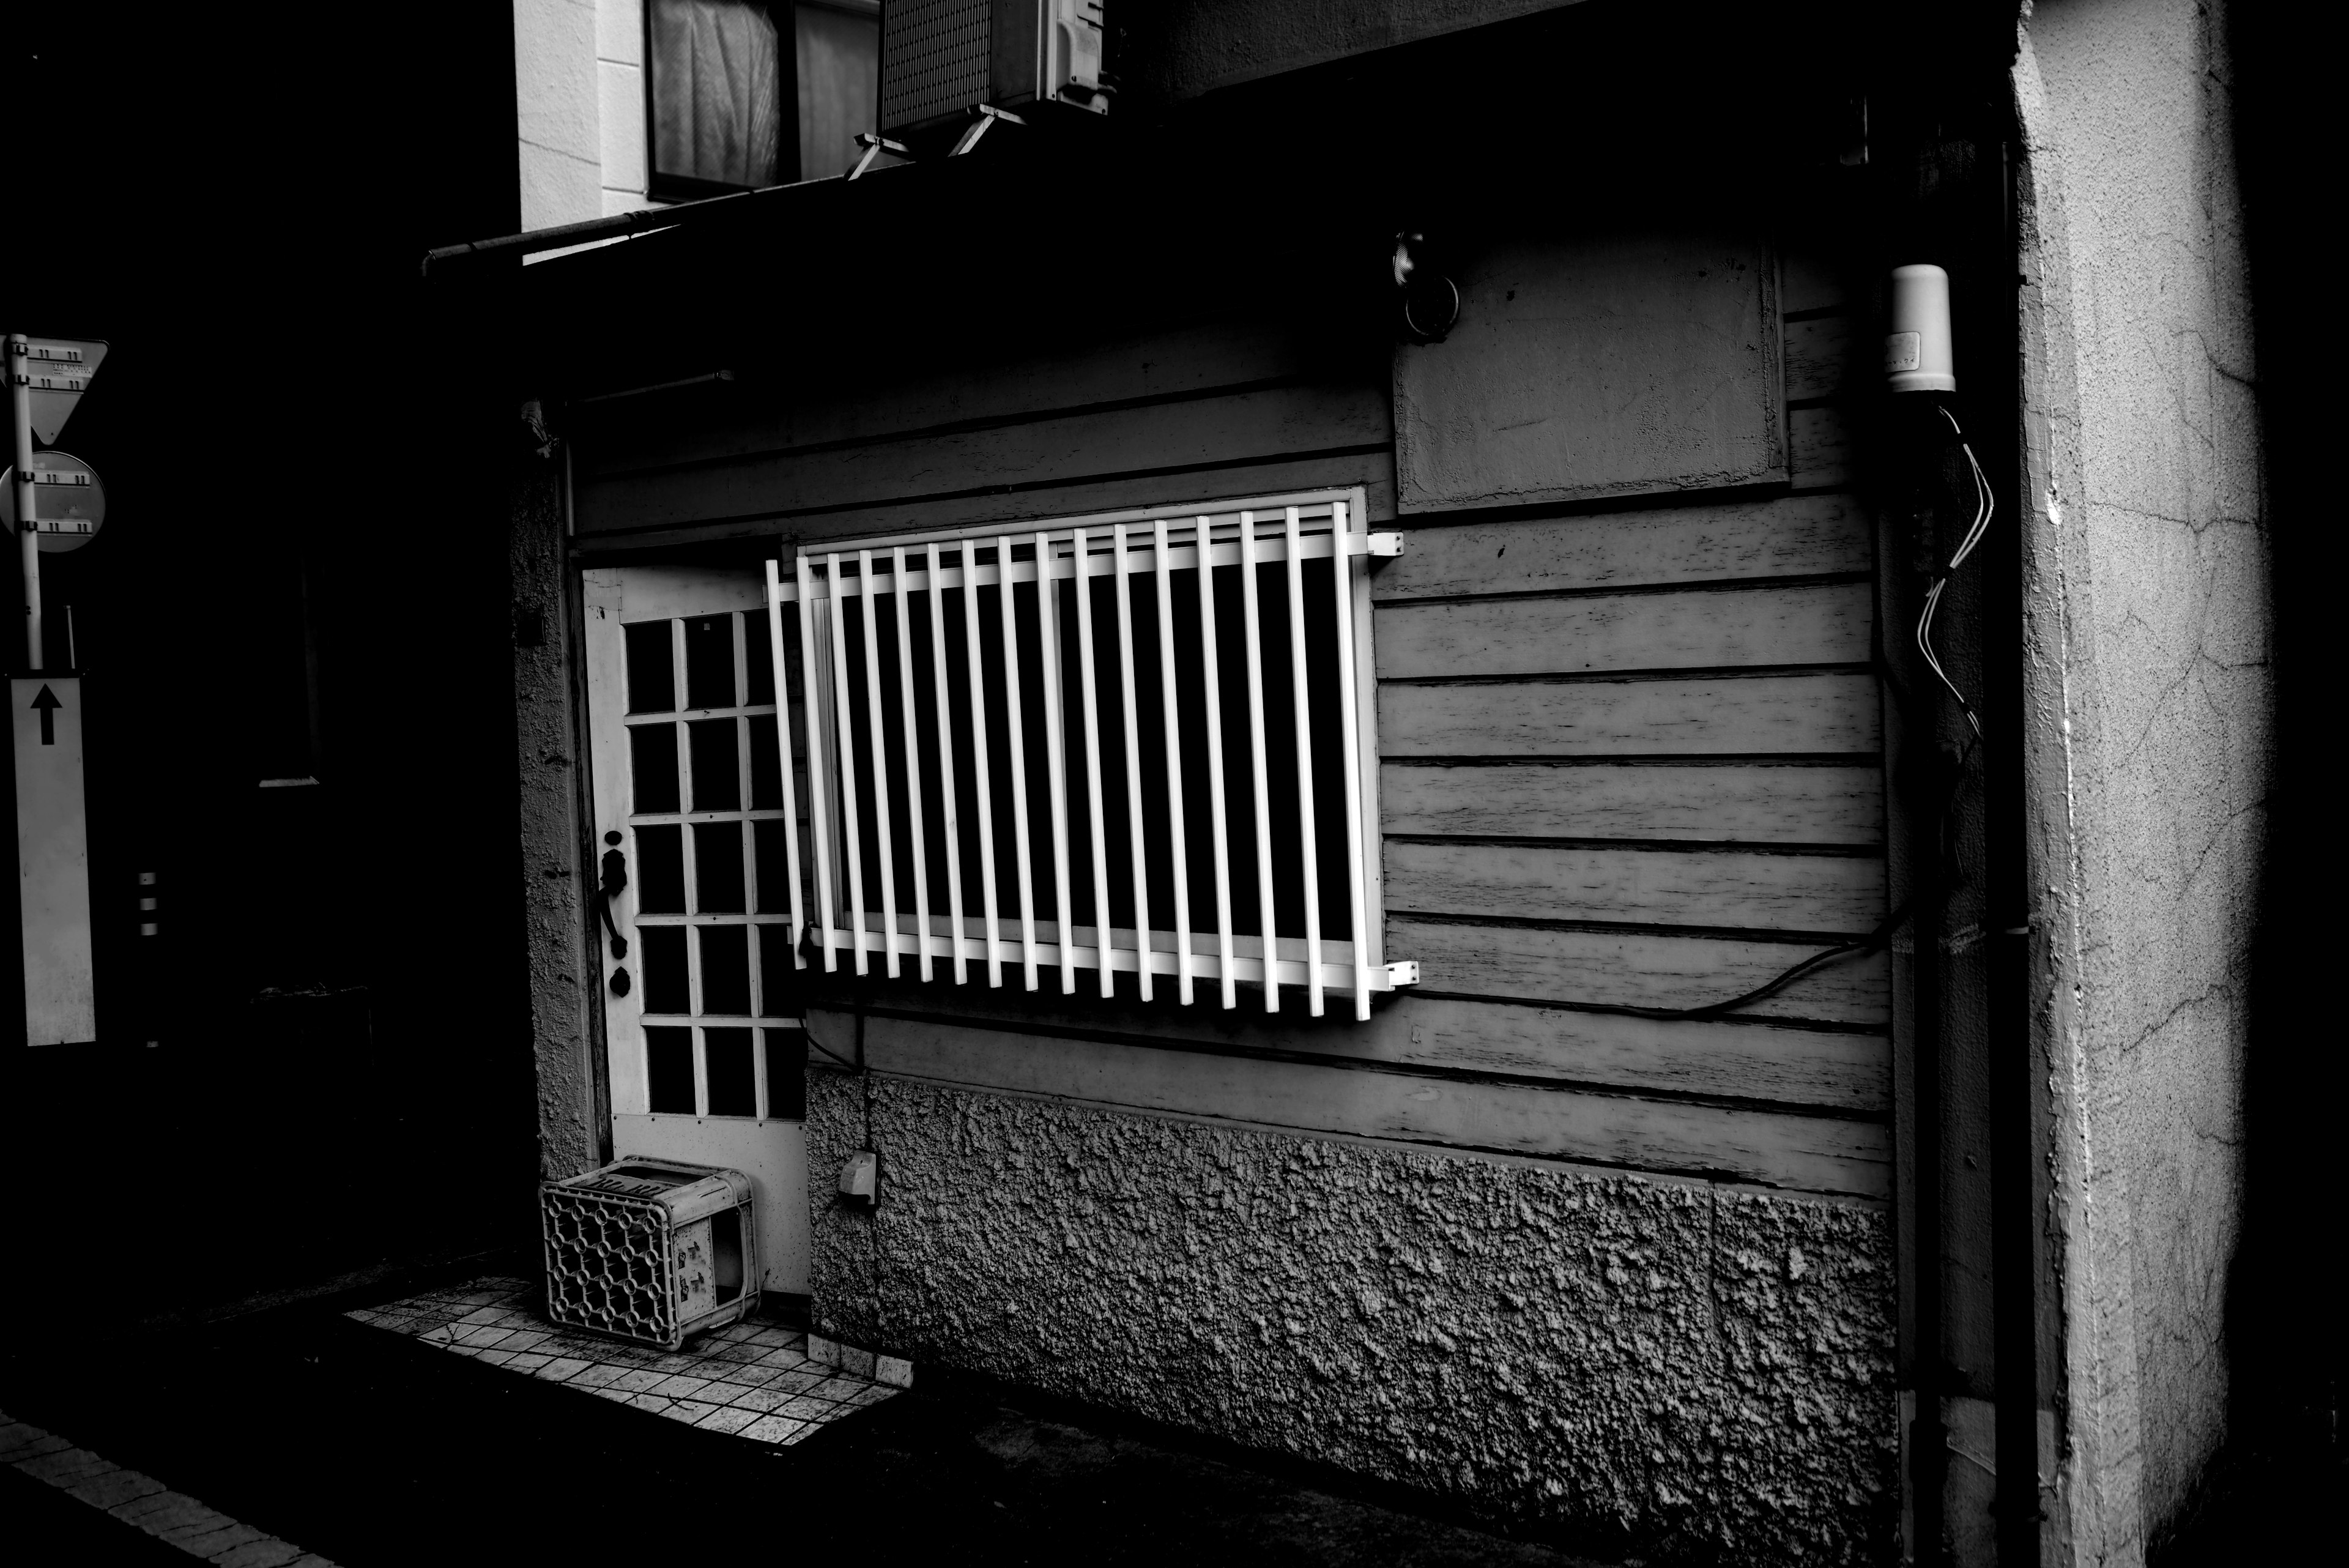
{"x": 1139, "y": 743}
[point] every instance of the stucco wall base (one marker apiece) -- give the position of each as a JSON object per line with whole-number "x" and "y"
{"x": 1640, "y": 1359}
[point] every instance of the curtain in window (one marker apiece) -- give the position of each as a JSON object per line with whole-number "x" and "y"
{"x": 717, "y": 72}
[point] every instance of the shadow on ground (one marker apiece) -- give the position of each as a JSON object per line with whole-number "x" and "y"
{"x": 372, "y": 1450}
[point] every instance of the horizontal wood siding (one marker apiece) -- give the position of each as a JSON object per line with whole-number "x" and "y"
{"x": 1630, "y": 760}
{"x": 1576, "y": 635}
{"x": 1637, "y": 968}
{"x": 1629, "y": 749}
{"x": 1794, "y": 537}
{"x": 1755, "y": 1061}
{"x": 1804, "y": 715}
{"x": 1259, "y": 425}
{"x": 1819, "y": 1153}
{"x": 1729, "y": 803}
{"x": 1518, "y": 879}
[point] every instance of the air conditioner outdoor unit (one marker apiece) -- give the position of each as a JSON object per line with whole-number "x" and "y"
{"x": 650, "y": 1250}
{"x": 941, "y": 59}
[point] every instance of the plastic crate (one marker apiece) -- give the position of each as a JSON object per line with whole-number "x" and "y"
{"x": 652, "y": 1250}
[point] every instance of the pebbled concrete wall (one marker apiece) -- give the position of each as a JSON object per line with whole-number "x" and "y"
{"x": 2150, "y": 717}
{"x": 572, "y": 1122}
{"x": 1633, "y": 1358}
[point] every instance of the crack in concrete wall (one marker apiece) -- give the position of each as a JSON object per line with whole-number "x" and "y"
{"x": 2152, "y": 701}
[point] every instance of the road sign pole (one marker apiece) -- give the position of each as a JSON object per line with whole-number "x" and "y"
{"x": 28, "y": 537}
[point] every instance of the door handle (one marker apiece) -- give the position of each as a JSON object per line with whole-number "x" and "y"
{"x": 614, "y": 883}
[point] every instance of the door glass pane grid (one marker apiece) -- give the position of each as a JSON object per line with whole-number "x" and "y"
{"x": 712, "y": 1059}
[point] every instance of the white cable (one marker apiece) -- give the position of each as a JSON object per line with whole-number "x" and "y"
{"x": 1985, "y": 504}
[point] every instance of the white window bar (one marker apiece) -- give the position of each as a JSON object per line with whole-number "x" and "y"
{"x": 1264, "y": 903}
{"x": 948, "y": 794}
{"x": 882, "y": 838}
{"x": 1301, "y": 686}
{"x": 1351, "y": 752}
{"x": 1047, "y": 632}
{"x": 912, "y": 764}
{"x": 979, "y": 759}
{"x": 1134, "y": 818}
{"x": 818, "y": 818}
{"x": 1172, "y": 715}
{"x": 1215, "y": 689}
{"x": 1012, "y": 710}
{"x": 1100, "y": 840}
{"x": 1318, "y": 526}
{"x": 844, "y": 757}
{"x": 790, "y": 786}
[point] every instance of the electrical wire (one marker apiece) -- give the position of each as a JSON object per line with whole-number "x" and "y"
{"x": 1875, "y": 941}
{"x": 1985, "y": 506}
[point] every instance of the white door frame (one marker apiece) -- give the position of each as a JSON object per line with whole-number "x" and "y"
{"x": 771, "y": 1151}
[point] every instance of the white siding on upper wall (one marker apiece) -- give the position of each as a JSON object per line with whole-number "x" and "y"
{"x": 555, "y": 112}
{"x": 580, "y": 101}
{"x": 619, "y": 66}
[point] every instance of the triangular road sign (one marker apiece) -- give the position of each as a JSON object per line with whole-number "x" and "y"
{"x": 59, "y": 369}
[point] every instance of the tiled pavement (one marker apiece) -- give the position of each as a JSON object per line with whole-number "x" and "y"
{"x": 143, "y": 1501}
{"x": 752, "y": 1380}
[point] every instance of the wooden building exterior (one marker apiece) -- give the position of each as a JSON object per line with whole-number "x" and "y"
{"x": 1553, "y": 1232}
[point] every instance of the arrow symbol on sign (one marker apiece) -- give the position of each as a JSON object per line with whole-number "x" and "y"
{"x": 46, "y": 704}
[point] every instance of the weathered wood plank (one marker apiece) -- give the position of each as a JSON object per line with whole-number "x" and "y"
{"x": 1716, "y": 888}
{"x": 1373, "y": 472}
{"x": 1824, "y": 450}
{"x": 885, "y": 399}
{"x": 1820, "y": 1154}
{"x": 1804, "y": 715}
{"x": 1592, "y": 365}
{"x": 1789, "y": 536}
{"x": 1747, "y": 803}
{"x": 1814, "y": 274}
{"x": 1822, "y": 356}
{"x": 1779, "y": 1062}
{"x": 1816, "y": 623}
{"x": 1266, "y": 425}
{"x": 1791, "y": 1066}
{"x": 1636, "y": 969}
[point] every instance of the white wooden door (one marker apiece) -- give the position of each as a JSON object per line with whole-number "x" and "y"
{"x": 686, "y": 759}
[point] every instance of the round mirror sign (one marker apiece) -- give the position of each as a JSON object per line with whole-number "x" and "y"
{"x": 68, "y": 501}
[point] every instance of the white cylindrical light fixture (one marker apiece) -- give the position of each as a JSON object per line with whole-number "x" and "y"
{"x": 1917, "y": 356}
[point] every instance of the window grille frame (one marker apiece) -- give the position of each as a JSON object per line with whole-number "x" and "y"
{"x": 828, "y": 895}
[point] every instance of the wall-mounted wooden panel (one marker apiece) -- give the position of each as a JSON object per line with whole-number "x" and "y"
{"x": 1711, "y": 715}
{"x": 1820, "y": 623}
{"x": 1792, "y": 536}
{"x": 1743, "y": 803}
{"x": 1589, "y": 366}
{"x": 1813, "y": 1153}
{"x": 1717, "y": 888}
{"x": 1636, "y": 969}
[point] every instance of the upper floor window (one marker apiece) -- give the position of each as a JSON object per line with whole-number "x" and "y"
{"x": 743, "y": 95}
